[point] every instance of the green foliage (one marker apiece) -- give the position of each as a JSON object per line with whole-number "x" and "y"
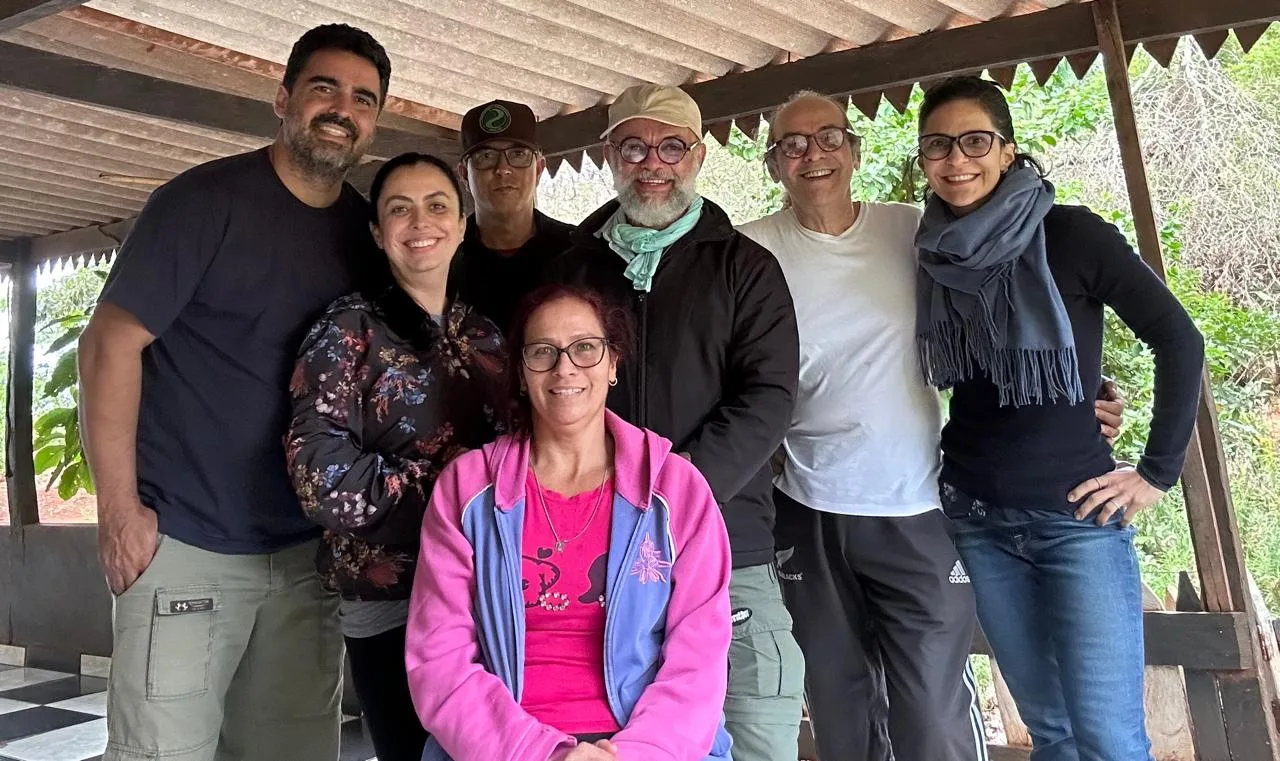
{"x": 70, "y": 292}
{"x": 1242, "y": 347}
{"x": 1062, "y": 110}
{"x": 58, "y": 448}
{"x": 1258, "y": 73}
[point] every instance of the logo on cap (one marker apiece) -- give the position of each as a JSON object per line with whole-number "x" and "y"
{"x": 495, "y": 119}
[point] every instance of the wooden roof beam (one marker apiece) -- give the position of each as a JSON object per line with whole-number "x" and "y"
{"x": 1248, "y": 36}
{"x": 63, "y": 77}
{"x": 1162, "y": 50}
{"x": 16, "y": 13}
{"x": 63, "y": 173}
{"x": 1067, "y": 30}
{"x": 1212, "y": 42}
{"x": 867, "y": 102}
{"x": 86, "y": 240}
{"x": 253, "y": 65}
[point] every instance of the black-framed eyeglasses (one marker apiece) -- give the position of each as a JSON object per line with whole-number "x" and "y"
{"x": 671, "y": 150}
{"x": 583, "y": 353}
{"x": 796, "y": 144}
{"x": 518, "y": 156}
{"x": 975, "y": 144}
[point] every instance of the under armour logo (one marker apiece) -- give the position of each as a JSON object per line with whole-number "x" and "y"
{"x": 195, "y": 605}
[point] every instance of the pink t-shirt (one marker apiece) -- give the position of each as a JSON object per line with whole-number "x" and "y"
{"x": 564, "y": 609}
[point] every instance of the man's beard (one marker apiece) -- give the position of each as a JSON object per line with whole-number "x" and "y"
{"x": 316, "y": 157}
{"x": 653, "y": 214}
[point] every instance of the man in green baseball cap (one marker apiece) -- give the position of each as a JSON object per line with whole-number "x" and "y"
{"x": 508, "y": 241}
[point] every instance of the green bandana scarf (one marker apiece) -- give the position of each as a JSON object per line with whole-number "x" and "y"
{"x": 642, "y": 247}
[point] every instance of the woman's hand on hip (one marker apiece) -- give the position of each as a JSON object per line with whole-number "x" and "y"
{"x": 1122, "y": 491}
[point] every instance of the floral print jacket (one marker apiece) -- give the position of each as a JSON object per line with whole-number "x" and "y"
{"x": 383, "y": 398}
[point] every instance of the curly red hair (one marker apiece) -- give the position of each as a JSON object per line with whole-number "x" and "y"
{"x": 618, "y": 331}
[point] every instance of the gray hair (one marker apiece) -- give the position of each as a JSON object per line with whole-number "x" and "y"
{"x": 796, "y": 97}
{"x": 843, "y": 107}
{"x": 800, "y": 95}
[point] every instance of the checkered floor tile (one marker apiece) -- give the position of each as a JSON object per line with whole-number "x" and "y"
{"x": 51, "y": 716}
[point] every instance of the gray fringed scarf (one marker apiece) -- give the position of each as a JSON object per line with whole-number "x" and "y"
{"x": 985, "y": 297}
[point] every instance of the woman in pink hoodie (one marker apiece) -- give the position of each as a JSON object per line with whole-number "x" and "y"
{"x": 572, "y": 601}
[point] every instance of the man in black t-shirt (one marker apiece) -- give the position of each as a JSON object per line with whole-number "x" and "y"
{"x": 508, "y": 242}
{"x": 225, "y": 643}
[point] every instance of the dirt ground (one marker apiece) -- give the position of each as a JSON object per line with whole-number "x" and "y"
{"x": 82, "y": 508}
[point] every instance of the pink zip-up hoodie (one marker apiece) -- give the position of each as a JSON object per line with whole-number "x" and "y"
{"x": 668, "y": 624}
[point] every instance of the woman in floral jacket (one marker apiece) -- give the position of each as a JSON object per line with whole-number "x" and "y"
{"x": 389, "y": 387}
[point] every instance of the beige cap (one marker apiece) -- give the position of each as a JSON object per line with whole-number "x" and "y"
{"x": 661, "y": 103}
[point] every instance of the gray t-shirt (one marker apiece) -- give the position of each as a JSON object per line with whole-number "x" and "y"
{"x": 369, "y": 618}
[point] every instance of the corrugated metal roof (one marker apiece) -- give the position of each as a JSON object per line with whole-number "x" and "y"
{"x": 56, "y": 152}
{"x": 559, "y": 56}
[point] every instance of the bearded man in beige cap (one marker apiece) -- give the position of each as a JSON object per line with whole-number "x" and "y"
{"x": 716, "y": 373}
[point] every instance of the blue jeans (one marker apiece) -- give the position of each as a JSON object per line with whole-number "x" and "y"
{"x": 1060, "y": 601}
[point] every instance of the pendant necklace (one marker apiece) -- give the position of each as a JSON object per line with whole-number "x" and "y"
{"x": 560, "y": 543}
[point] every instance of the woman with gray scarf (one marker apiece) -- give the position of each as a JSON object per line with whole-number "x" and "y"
{"x": 1010, "y": 315}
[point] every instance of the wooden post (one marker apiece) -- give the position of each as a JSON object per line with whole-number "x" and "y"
{"x": 1246, "y": 696}
{"x": 20, "y": 471}
{"x": 1208, "y": 727}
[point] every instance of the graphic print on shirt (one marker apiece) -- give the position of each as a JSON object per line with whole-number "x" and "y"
{"x": 540, "y": 578}
{"x": 598, "y": 576}
{"x": 650, "y": 565}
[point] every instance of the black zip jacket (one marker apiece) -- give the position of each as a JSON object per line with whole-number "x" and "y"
{"x": 494, "y": 283}
{"x": 717, "y": 359}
